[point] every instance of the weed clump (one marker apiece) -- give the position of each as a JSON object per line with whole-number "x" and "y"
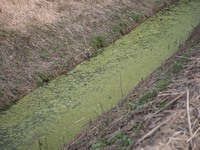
{"x": 98, "y": 42}
{"x": 162, "y": 85}
{"x": 136, "y": 17}
{"x": 144, "y": 99}
{"x": 177, "y": 67}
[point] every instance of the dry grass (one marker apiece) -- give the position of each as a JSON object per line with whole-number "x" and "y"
{"x": 18, "y": 14}
{"x": 41, "y": 39}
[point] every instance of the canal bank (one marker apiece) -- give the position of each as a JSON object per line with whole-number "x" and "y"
{"x": 54, "y": 113}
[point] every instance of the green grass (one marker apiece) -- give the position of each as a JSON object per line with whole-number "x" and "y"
{"x": 144, "y": 99}
{"x": 40, "y": 79}
{"x": 162, "y": 85}
{"x": 121, "y": 139}
{"x": 177, "y": 67}
{"x": 136, "y": 17}
{"x": 99, "y": 144}
{"x": 119, "y": 28}
{"x": 98, "y": 42}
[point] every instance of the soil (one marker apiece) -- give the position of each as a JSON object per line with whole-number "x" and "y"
{"x": 42, "y": 39}
{"x": 162, "y": 112}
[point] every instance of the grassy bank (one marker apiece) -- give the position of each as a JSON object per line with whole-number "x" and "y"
{"x": 40, "y": 40}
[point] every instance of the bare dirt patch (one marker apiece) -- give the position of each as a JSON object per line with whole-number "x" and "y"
{"x": 163, "y": 111}
{"x": 41, "y": 39}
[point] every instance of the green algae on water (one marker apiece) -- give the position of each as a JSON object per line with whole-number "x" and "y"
{"x": 53, "y": 114}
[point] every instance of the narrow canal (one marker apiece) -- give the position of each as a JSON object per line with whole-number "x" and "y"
{"x": 55, "y": 113}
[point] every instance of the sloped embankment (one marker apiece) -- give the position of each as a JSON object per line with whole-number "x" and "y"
{"x": 163, "y": 112}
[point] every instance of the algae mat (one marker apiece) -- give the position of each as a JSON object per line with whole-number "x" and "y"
{"x": 53, "y": 114}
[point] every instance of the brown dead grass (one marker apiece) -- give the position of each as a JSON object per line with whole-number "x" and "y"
{"x": 41, "y": 39}
{"x": 169, "y": 121}
{"x": 18, "y": 14}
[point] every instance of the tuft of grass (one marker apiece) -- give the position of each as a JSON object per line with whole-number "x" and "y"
{"x": 99, "y": 144}
{"x": 119, "y": 28}
{"x": 136, "y": 17}
{"x": 98, "y": 42}
{"x": 177, "y": 67}
{"x": 40, "y": 79}
{"x": 162, "y": 85}
{"x": 121, "y": 139}
{"x": 144, "y": 99}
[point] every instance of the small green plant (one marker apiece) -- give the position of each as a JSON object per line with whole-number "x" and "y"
{"x": 40, "y": 79}
{"x": 177, "y": 67}
{"x": 162, "y": 85}
{"x": 137, "y": 127}
{"x": 119, "y": 28}
{"x": 121, "y": 139}
{"x": 134, "y": 105}
{"x": 98, "y": 42}
{"x": 136, "y": 17}
{"x": 144, "y": 99}
{"x": 99, "y": 144}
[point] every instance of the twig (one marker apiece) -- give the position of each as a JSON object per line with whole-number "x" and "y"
{"x": 121, "y": 88}
{"x": 188, "y": 115}
{"x": 96, "y": 113}
{"x": 166, "y": 106}
{"x": 194, "y": 123}
{"x": 192, "y": 58}
{"x": 166, "y": 94}
{"x": 101, "y": 106}
{"x": 79, "y": 120}
{"x": 193, "y": 135}
{"x": 175, "y": 134}
{"x": 153, "y": 130}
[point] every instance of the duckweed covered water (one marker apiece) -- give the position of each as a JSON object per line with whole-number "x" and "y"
{"x": 53, "y": 114}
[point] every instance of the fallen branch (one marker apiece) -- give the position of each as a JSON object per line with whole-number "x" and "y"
{"x": 188, "y": 115}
